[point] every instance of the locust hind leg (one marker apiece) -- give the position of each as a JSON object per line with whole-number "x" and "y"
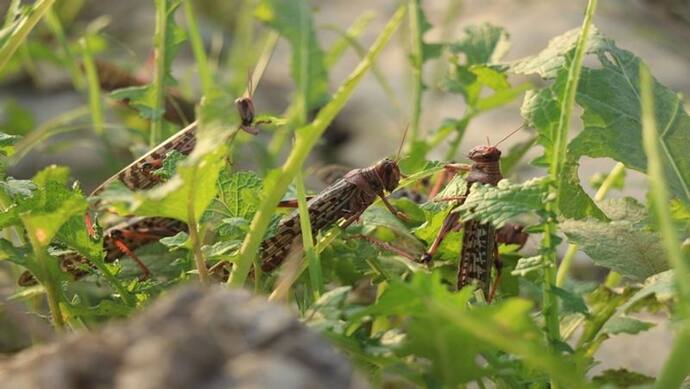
{"x": 392, "y": 209}
{"x": 498, "y": 264}
{"x": 122, "y": 246}
{"x": 448, "y": 224}
{"x": 386, "y": 246}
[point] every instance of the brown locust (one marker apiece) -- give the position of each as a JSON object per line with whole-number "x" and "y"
{"x": 347, "y": 199}
{"x": 480, "y": 240}
{"x": 118, "y": 241}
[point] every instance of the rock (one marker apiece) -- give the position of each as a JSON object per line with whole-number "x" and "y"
{"x": 193, "y": 338}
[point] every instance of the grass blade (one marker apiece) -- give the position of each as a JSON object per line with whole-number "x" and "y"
{"x": 22, "y": 29}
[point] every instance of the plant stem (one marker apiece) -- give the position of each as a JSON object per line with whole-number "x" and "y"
{"x": 676, "y": 368}
{"x": 306, "y": 139}
{"x": 315, "y": 275}
{"x": 49, "y": 284}
{"x": 23, "y": 29}
{"x": 94, "y": 87}
{"x": 416, "y": 48}
{"x": 659, "y": 194}
{"x": 550, "y": 305}
{"x": 194, "y": 238}
{"x": 159, "y": 73}
{"x": 198, "y": 48}
{"x": 54, "y": 23}
{"x": 566, "y": 263}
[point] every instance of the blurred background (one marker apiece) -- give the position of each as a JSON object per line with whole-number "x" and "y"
{"x": 37, "y": 93}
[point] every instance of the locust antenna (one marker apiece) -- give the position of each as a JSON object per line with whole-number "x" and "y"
{"x": 250, "y": 85}
{"x": 511, "y": 134}
{"x": 262, "y": 64}
{"x": 402, "y": 142}
{"x": 488, "y": 141}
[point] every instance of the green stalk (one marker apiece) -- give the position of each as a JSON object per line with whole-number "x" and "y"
{"x": 94, "y": 87}
{"x": 550, "y": 305}
{"x": 53, "y": 22}
{"x": 546, "y": 361}
{"x": 567, "y": 262}
{"x": 659, "y": 193}
{"x": 355, "y": 30}
{"x": 199, "y": 260}
{"x": 243, "y": 52}
{"x": 676, "y": 368}
{"x": 307, "y": 137}
{"x": 416, "y": 53}
{"x": 315, "y": 275}
{"x": 49, "y": 284}
{"x": 159, "y": 73}
{"x": 198, "y": 48}
{"x": 23, "y": 29}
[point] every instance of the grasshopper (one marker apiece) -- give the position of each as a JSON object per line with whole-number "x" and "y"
{"x": 118, "y": 241}
{"x": 480, "y": 240}
{"x": 347, "y": 199}
{"x": 126, "y": 237}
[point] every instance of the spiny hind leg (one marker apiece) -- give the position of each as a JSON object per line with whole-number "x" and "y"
{"x": 122, "y": 246}
{"x": 449, "y": 223}
{"x": 498, "y": 264}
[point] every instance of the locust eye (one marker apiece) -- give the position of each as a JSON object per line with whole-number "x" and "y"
{"x": 147, "y": 166}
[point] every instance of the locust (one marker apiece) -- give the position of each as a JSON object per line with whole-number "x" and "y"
{"x": 118, "y": 241}
{"x": 347, "y": 199}
{"x": 133, "y": 233}
{"x": 480, "y": 240}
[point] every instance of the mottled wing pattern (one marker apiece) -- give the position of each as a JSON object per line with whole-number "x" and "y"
{"x": 134, "y": 233}
{"x": 477, "y": 255}
{"x": 325, "y": 209}
{"x": 139, "y": 175}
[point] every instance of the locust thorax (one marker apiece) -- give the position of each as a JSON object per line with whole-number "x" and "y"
{"x": 486, "y": 167}
{"x": 245, "y": 107}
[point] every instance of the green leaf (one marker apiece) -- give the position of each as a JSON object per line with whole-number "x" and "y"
{"x": 167, "y": 170}
{"x": 380, "y": 217}
{"x": 440, "y": 328}
{"x": 659, "y": 285}
{"x": 480, "y": 44}
{"x": 470, "y": 76}
{"x": 527, "y": 265}
{"x": 293, "y": 20}
{"x": 610, "y": 98}
{"x": 622, "y": 378}
{"x": 239, "y": 194}
{"x": 625, "y": 325}
{"x": 179, "y": 240}
{"x": 570, "y": 302}
{"x": 74, "y": 234}
{"x": 17, "y": 121}
{"x": 549, "y": 62}
{"x": 141, "y": 98}
{"x": 195, "y": 183}
{"x": 18, "y": 188}
{"x": 619, "y": 246}
{"x": 498, "y": 204}
{"x": 625, "y": 209}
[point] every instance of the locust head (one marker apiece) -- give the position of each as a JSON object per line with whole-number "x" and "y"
{"x": 245, "y": 107}
{"x": 388, "y": 172}
{"x": 485, "y": 154}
